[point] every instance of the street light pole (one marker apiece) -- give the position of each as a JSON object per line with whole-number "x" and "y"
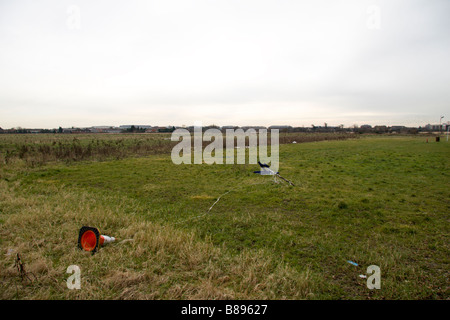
{"x": 440, "y": 126}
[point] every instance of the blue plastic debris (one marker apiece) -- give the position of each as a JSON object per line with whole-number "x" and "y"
{"x": 353, "y": 263}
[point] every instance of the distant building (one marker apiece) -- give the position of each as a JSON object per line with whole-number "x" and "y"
{"x": 98, "y": 129}
{"x": 397, "y": 128}
{"x": 380, "y": 129}
{"x": 365, "y": 128}
{"x": 142, "y": 126}
{"x": 113, "y": 130}
{"x": 81, "y": 130}
{"x": 435, "y": 127}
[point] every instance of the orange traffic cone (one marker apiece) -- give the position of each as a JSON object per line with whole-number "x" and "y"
{"x": 90, "y": 239}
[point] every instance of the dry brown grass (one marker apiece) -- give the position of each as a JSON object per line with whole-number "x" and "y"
{"x": 160, "y": 263}
{"x": 37, "y": 150}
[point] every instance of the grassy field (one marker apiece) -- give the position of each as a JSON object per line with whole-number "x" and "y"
{"x": 375, "y": 200}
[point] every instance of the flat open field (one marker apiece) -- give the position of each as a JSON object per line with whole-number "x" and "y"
{"x": 378, "y": 200}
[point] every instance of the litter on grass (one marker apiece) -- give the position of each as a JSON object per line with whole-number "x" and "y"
{"x": 353, "y": 263}
{"x": 90, "y": 239}
{"x": 218, "y": 200}
{"x": 266, "y": 171}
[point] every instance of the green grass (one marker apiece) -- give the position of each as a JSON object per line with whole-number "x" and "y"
{"x": 376, "y": 201}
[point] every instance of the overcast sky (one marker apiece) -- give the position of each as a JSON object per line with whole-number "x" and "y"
{"x": 240, "y": 62}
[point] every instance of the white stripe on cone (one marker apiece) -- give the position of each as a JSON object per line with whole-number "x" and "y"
{"x": 107, "y": 239}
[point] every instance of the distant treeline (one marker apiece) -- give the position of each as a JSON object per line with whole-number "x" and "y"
{"x": 282, "y": 129}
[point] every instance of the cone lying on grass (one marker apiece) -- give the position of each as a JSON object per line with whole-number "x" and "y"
{"x": 90, "y": 239}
